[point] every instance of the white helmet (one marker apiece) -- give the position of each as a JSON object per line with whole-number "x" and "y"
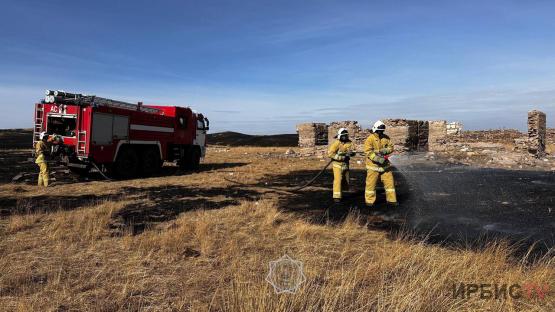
{"x": 378, "y": 126}
{"x": 42, "y": 135}
{"x": 341, "y": 132}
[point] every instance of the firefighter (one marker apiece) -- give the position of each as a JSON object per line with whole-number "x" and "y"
{"x": 377, "y": 149}
{"x": 340, "y": 152}
{"x": 41, "y": 152}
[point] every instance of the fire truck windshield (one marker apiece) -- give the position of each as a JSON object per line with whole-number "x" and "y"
{"x": 64, "y": 126}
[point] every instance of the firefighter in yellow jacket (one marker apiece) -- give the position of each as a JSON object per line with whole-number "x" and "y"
{"x": 377, "y": 149}
{"x": 41, "y": 152}
{"x": 340, "y": 152}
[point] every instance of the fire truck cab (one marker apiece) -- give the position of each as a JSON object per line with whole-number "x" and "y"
{"x": 123, "y": 139}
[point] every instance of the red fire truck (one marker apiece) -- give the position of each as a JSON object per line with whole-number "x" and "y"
{"x": 123, "y": 139}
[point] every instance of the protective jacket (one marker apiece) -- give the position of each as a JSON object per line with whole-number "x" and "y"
{"x": 375, "y": 148}
{"x": 41, "y": 151}
{"x": 338, "y": 151}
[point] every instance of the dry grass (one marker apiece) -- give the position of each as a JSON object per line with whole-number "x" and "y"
{"x": 214, "y": 254}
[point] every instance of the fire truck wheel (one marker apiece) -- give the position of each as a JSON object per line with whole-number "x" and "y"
{"x": 191, "y": 160}
{"x": 195, "y": 159}
{"x": 150, "y": 162}
{"x": 126, "y": 164}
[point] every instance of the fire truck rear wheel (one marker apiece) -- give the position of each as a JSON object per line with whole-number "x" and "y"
{"x": 127, "y": 164}
{"x": 150, "y": 162}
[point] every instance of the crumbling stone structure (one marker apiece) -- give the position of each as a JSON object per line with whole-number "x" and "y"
{"x": 356, "y": 133}
{"x": 312, "y": 134}
{"x": 537, "y": 133}
{"x": 406, "y": 135}
{"x": 438, "y": 136}
{"x": 454, "y": 128}
{"x": 402, "y": 133}
{"x": 551, "y": 136}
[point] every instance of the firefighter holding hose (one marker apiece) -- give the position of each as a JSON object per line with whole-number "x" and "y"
{"x": 340, "y": 152}
{"x": 41, "y": 152}
{"x": 377, "y": 149}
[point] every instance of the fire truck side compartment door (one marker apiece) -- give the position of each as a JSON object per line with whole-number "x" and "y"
{"x": 107, "y": 127}
{"x": 121, "y": 127}
{"x": 102, "y": 129}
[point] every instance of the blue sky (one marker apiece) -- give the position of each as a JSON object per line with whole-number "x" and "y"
{"x": 263, "y": 66}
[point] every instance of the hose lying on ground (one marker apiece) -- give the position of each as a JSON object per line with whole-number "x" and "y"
{"x": 295, "y": 189}
{"x": 100, "y": 171}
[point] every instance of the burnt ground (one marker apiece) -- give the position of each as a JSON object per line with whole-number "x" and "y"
{"x": 443, "y": 203}
{"x": 465, "y": 204}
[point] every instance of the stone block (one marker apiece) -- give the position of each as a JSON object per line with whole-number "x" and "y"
{"x": 537, "y": 133}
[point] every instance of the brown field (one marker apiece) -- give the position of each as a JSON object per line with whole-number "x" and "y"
{"x": 196, "y": 242}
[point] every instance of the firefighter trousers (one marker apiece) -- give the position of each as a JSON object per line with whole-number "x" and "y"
{"x": 43, "y": 174}
{"x": 386, "y": 177}
{"x": 340, "y": 179}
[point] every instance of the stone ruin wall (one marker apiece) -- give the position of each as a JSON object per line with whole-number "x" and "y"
{"x": 550, "y": 135}
{"x": 313, "y": 137}
{"x": 357, "y": 134}
{"x": 454, "y": 128}
{"x": 537, "y": 134}
{"x": 311, "y": 134}
{"x": 438, "y": 135}
{"x": 402, "y": 133}
{"x": 491, "y": 136}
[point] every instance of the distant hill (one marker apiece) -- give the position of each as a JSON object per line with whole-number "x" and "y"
{"x": 239, "y": 139}
{"x": 23, "y": 138}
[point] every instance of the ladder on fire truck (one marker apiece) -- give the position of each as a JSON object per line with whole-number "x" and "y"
{"x": 81, "y": 143}
{"x": 39, "y": 118}
{"x": 63, "y": 97}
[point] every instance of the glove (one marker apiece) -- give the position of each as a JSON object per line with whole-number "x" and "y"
{"x": 339, "y": 157}
{"x": 379, "y": 159}
{"x": 385, "y": 151}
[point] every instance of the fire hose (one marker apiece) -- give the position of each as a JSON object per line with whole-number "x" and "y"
{"x": 100, "y": 171}
{"x": 298, "y": 188}
{"x": 295, "y": 189}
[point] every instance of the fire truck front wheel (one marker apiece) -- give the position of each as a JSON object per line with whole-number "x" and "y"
{"x": 191, "y": 160}
{"x": 150, "y": 161}
{"x": 127, "y": 164}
